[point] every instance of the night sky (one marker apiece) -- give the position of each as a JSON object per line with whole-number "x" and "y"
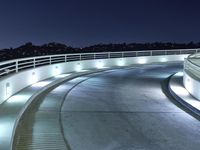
{"x": 85, "y": 22}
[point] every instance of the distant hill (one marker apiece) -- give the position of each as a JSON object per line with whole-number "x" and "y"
{"x": 30, "y": 50}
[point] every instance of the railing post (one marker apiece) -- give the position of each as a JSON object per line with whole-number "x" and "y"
{"x": 108, "y": 55}
{"x": 80, "y": 57}
{"x": 33, "y": 62}
{"x": 122, "y": 54}
{"x": 16, "y": 66}
{"x": 65, "y": 58}
{"x": 50, "y": 60}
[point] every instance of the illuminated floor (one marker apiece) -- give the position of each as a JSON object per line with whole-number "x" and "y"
{"x": 124, "y": 109}
{"x": 11, "y": 109}
{"x": 182, "y": 95}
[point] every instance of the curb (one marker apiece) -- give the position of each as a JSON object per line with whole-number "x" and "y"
{"x": 179, "y": 99}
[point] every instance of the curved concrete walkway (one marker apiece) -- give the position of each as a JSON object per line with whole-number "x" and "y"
{"x": 41, "y": 127}
{"x": 12, "y": 110}
{"x": 123, "y": 109}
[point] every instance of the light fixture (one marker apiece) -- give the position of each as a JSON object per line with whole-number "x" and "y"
{"x": 120, "y": 62}
{"x": 163, "y": 59}
{"x": 34, "y": 78}
{"x": 142, "y": 61}
{"x": 8, "y": 90}
{"x": 57, "y": 71}
{"x": 78, "y": 67}
{"x": 100, "y": 65}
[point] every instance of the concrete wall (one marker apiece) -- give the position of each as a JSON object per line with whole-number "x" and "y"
{"x": 14, "y": 83}
{"x": 192, "y": 84}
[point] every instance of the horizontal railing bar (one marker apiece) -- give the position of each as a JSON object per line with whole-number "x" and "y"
{"x": 7, "y": 67}
{"x": 23, "y": 67}
{"x": 25, "y": 63}
{"x": 55, "y": 61}
{"x": 41, "y": 63}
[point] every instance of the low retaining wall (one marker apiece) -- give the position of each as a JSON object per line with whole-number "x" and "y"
{"x": 13, "y": 83}
{"x": 192, "y": 84}
{"x": 191, "y": 77}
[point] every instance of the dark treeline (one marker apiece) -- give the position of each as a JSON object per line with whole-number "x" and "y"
{"x": 30, "y": 50}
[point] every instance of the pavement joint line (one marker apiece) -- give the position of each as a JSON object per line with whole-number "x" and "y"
{"x": 115, "y": 112}
{"x": 65, "y": 97}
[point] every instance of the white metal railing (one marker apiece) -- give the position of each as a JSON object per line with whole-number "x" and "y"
{"x": 12, "y": 66}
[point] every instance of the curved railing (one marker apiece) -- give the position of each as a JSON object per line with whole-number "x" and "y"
{"x": 17, "y": 65}
{"x": 34, "y": 62}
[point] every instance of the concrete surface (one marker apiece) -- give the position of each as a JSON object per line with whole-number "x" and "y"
{"x": 13, "y": 108}
{"x": 122, "y": 109}
{"x": 127, "y": 110}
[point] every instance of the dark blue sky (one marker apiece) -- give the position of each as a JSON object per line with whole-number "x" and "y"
{"x": 85, "y": 22}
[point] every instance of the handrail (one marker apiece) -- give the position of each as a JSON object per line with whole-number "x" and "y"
{"x": 21, "y": 64}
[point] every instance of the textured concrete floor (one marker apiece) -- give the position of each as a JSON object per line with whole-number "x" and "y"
{"x": 127, "y": 110}
{"x": 123, "y": 109}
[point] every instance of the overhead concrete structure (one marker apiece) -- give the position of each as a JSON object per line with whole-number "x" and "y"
{"x": 103, "y": 100}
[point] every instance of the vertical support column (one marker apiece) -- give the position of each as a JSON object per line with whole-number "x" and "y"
{"x": 65, "y": 58}
{"x": 50, "y": 60}
{"x": 16, "y": 66}
{"x": 33, "y": 62}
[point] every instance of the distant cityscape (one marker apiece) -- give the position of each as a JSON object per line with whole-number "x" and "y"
{"x": 31, "y": 50}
